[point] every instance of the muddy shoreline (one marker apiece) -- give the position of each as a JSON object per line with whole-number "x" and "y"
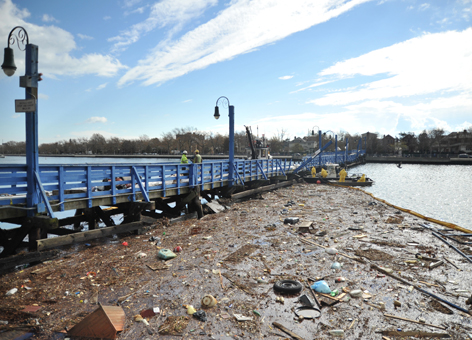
{"x": 237, "y": 256}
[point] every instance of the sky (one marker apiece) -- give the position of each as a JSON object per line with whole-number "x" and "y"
{"x": 129, "y": 68}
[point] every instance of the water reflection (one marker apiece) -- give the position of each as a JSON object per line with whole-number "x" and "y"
{"x": 442, "y": 192}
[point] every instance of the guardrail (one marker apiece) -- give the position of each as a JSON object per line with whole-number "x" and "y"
{"x": 61, "y": 183}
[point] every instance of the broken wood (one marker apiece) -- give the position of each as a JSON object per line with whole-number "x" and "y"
{"x": 261, "y": 189}
{"x": 416, "y": 334}
{"x": 286, "y": 330}
{"x": 87, "y": 235}
{"x": 414, "y": 321}
{"x": 380, "y": 269}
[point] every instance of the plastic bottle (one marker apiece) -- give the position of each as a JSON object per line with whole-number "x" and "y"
{"x": 336, "y": 265}
{"x": 334, "y": 292}
{"x": 321, "y": 287}
{"x": 337, "y": 332}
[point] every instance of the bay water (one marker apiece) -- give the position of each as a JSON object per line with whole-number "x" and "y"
{"x": 442, "y": 192}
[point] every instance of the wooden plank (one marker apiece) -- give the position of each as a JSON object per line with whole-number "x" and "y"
{"x": 416, "y": 334}
{"x": 414, "y": 321}
{"x": 261, "y": 189}
{"x": 286, "y": 330}
{"x": 87, "y": 235}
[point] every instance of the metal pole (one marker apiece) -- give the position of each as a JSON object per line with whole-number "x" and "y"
{"x": 321, "y": 141}
{"x": 335, "y": 149}
{"x": 32, "y": 163}
{"x": 231, "y": 145}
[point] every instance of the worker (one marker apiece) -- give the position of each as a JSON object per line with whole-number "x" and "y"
{"x": 342, "y": 175}
{"x": 184, "y": 159}
{"x": 362, "y": 179}
{"x": 197, "y": 158}
{"x": 324, "y": 173}
{"x": 313, "y": 172}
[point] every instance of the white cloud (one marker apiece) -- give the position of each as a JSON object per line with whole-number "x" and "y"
{"x": 187, "y": 101}
{"x": 102, "y": 86}
{"x": 429, "y": 64}
{"x": 424, "y": 7}
{"x": 56, "y": 47}
{"x": 313, "y": 85}
{"x": 231, "y": 33}
{"x": 49, "y": 18}
{"x": 162, "y": 14}
{"x": 84, "y": 37}
{"x": 43, "y": 96}
{"x": 93, "y": 120}
{"x": 107, "y": 17}
{"x": 286, "y": 77}
{"x": 16, "y": 115}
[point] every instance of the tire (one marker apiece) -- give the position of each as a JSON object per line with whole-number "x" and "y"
{"x": 288, "y": 286}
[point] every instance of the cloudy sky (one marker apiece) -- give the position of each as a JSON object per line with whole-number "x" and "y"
{"x": 127, "y": 68}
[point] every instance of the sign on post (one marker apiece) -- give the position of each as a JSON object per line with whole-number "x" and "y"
{"x": 25, "y": 105}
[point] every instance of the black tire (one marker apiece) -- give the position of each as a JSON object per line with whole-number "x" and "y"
{"x": 288, "y": 286}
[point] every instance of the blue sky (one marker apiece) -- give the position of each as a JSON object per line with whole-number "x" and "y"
{"x": 130, "y": 68}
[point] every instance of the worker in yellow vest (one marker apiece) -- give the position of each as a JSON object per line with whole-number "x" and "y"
{"x": 342, "y": 175}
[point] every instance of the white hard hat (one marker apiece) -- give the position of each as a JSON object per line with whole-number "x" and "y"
{"x": 185, "y": 151}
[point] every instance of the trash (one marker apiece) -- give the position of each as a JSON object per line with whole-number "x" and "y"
{"x": 125, "y": 244}
{"x": 191, "y": 310}
{"x": 334, "y": 292}
{"x": 149, "y": 313}
{"x": 11, "y": 291}
{"x": 382, "y": 305}
{"x": 291, "y": 220}
{"x": 397, "y": 303}
{"x": 200, "y": 315}
{"x": 288, "y": 286}
{"x": 414, "y": 321}
{"x": 256, "y": 312}
{"x": 209, "y": 301}
{"x": 422, "y": 320}
{"x": 336, "y": 265}
{"x": 174, "y": 325}
{"x": 241, "y": 317}
{"x": 307, "y": 312}
{"x": 337, "y": 332}
{"x": 140, "y": 255}
{"x": 166, "y": 254}
{"x": 104, "y": 322}
{"x": 321, "y": 287}
{"x": 305, "y": 300}
{"x": 177, "y": 249}
{"x": 3, "y": 322}
{"x": 155, "y": 239}
{"x": 356, "y": 293}
{"x": 280, "y": 299}
{"x": 435, "y": 264}
{"x": 340, "y": 279}
{"x": 331, "y": 251}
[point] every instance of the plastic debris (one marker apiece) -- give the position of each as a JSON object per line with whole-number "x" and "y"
{"x": 209, "y": 301}
{"x": 336, "y": 265}
{"x": 125, "y": 244}
{"x": 166, "y": 254}
{"x": 177, "y": 249}
{"x": 321, "y": 287}
{"x": 356, "y": 293}
{"x": 291, "y": 220}
{"x": 11, "y": 291}
{"x": 191, "y": 310}
{"x": 337, "y": 332}
{"x": 332, "y": 251}
{"x": 200, "y": 315}
{"x": 241, "y": 317}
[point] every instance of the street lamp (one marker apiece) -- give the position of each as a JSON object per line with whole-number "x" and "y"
{"x": 335, "y": 145}
{"x": 29, "y": 81}
{"x": 231, "y": 136}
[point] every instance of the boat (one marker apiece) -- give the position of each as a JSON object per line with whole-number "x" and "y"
{"x": 333, "y": 178}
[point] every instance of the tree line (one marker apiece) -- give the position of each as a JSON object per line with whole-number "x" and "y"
{"x": 189, "y": 138}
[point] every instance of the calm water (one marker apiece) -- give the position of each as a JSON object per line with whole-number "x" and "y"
{"x": 443, "y": 192}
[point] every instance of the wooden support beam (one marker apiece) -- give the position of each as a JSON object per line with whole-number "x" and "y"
{"x": 261, "y": 189}
{"x": 104, "y": 217}
{"x": 16, "y": 240}
{"x": 7, "y": 264}
{"x": 88, "y": 235}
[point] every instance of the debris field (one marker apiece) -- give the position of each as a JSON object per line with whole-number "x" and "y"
{"x": 377, "y": 261}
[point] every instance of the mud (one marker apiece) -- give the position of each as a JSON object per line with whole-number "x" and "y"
{"x": 237, "y": 256}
